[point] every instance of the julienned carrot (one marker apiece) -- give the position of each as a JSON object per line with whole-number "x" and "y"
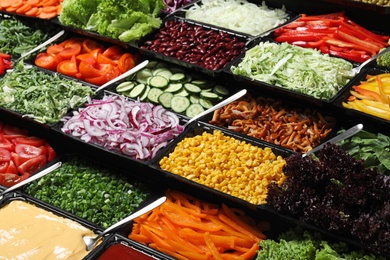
{"x": 182, "y": 229}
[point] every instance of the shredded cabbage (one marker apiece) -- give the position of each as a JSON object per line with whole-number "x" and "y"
{"x": 237, "y": 15}
{"x": 295, "y": 68}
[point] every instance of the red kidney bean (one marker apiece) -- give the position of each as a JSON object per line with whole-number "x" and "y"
{"x": 195, "y": 44}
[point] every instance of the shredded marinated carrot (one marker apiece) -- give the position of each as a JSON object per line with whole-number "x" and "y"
{"x": 185, "y": 227}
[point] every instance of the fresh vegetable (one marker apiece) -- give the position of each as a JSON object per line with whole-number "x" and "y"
{"x": 384, "y": 60}
{"x": 41, "y": 96}
{"x": 185, "y": 227}
{"x": 295, "y": 68}
{"x": 173, "y": 88}
{"x": 124, "y": 20}
{"x": 5, "y": 62}
{"x": 173, "y": 5}
{"x": 133, "y": 128}
{"x": 338, "y": 194}
{"x": 373, "y": 148}
{"x": 300, "y": 244}
{"x": 237, "y": 15}
{"x": 86, "y": 59}
{"x": 17, "y": 37}
{"x": 44, "y": 9}
{"x": 333, "y": 34}
{"x": 89, "y": 191}
{"x": 21, "y": 155}
{"x": 371, "y": 96}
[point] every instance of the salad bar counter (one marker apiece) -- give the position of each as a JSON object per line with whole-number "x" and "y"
{"x": 237, "y": 182}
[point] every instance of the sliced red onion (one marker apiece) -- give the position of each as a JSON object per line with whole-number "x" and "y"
{"x": 134, "y": 128}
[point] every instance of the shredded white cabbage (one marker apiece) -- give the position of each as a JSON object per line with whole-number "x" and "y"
{"x": 237, "y": 15}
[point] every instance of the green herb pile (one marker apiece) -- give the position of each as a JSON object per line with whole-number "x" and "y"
{"x": 303, "y": 70}
{"x": 301, "y": 244}
{"x": 17, "y": 38}
{"x": 89, "y": 191}
{"x": 374, "y": 149}
{"x": 119, "y": 19}
{"x": 44, "y": 97}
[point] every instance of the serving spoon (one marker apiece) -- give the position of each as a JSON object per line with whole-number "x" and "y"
{"x": 32, "y": 178}
{"x": 90, "y": 242}
{"x": 124, "y": 75}
{"x": 344, "y": 135}
{"x": 359, "y": 68}
{"x": 216, "y": 106}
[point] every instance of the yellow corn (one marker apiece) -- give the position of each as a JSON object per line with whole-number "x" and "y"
{"x": 229, "y": 165}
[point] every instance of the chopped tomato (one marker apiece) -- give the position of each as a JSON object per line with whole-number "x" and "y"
{"x": 5, "y": 155}
{"x": 17, "y": 159}
{"x": 12, "y": 168}
{"x": 51, "y": 153}
{"x": 47, "y": 61}
{"x": 4, "y": 166}
{"x": 126, "y": 62}
{"x": 101, "y": 59}
{"x": 32, "y": 165}
{"x": 28, "y": 151}
{"x": 70, "y": 50}
{"x": 6, "y": 144}
{"x": 111, "y": 74}
{"x": 54, "y": 49}
{"x": 10, "y": 179}
{"x": 30, "y": 140}
{"x": 113, "y": 52}
{"x": 89, "y": 55}
{"x": 89, "y": 68}
{"x": 68, "y": 67}
{"x": 90, "y": 45}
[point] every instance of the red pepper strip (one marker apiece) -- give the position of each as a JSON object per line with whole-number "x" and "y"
{"x": 344, "y": 44}
{"x": 335, "y": 15}
{"x": 7, "y": 64}
{"x": 355, "y": 31}
{"x": 301, "y": 37}
{"x": 313, "y": 45}
{"x": 5, "y": 56}
{"x": 368, "y": 32}
{"x": 349, "y": 56}
{"x": 329, "y": 30}
{"x": 367, "y": 92}
{"x": 363, "y": 44}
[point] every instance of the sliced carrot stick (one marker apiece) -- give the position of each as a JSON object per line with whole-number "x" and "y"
{"x": 146, "y": 231}
{"x": 237, "y": 227}
{"x": 213, "y": 249}
{"x": 174, "y": 254}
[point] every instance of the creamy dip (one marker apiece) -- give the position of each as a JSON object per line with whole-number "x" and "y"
{"x": 29, "y": 232}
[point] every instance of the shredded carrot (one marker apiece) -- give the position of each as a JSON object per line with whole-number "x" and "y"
{"x": 188, "y": 228}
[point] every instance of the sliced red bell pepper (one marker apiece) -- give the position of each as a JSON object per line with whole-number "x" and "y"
{"x": 379, "y": 37}
{"x": 335, "y": 15}
{"x": 357, "y": 57}
{"x": 363, "y": 44}
{"x": 362, "y": 35}
{"x": 343, "y": 44}
{"x": 2, "y": 68}
{"x": 297, "y": 36}
{"x": 313, "y": 45}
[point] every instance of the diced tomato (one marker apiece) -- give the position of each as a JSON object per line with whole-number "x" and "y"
{"x": 113, "y": 52}
{"x": 17, "y": 159}
{"x": 126, "y": 62}
{"x": 70, "y": 50}
{"x": 111, "y": 74}
{"x": 5, "y": 155}
{"x": 101, "y": 59}
{"x": 6, "y": 144}
{"x": 10, "y": 179}
{"x": 30, "y": 140}
{"x": 54, "y": 49}
{"x": 68, "y": 67}
{"x": 32, "y": 165}
{"x": 28, "y": 151}
{"x": 89, "y": 68}
{"x": 48, "y": 61}
{"x": 4, "y": 166}
{"x": 92, "y": 55}
{"x": 90, "y": 45}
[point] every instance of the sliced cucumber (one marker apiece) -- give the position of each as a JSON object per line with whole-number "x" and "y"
{"x": 153, "y": 94}
{"x": 206, "y": 103}
{"x": 174, "y": 87}
{"x": 220, "y": 90}
{"x": 145, "y": 94}
{"x": 166, "y": 73}
{"x": 194, "y": 109}
{"x": 125, "y": 86}
{"x": 194, "y": 99}
{"x": 175, "y": 70}
{"x": 180, "y": 104}
{"x": 208, "y": 95}
{"x": 165, "y": 99}
{"x": 161, "y": 65}
{"x": 191, "y": 88}
{"x": 137, "y": 91}
{"x": 158, "y": 82}
{"x": 151, "y": 64}
{"x": 177, "y": 78}
{"x": 203, "y": 84}
{"x": 143, "y": 75}
{"x": 182, "y": 93}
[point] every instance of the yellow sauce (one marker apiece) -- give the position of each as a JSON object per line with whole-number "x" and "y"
{"x": 29, "y": 232}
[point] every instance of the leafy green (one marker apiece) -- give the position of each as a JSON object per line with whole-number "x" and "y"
{"x": 44, "y": 97}
{"x": 301, "y": 244}
{"x": 17, "y": 38}
{"x": 295, "y": 68}
{"x": 89, "y": 191}
{"x": 374, "y": 149}
{"x": 118, "y": 19}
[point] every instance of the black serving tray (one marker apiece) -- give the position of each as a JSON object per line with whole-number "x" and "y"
{"x": 257, "y": 85}
{"x": 343, "y": 97}
{"x": 197, "y": 128}
{"x": 379, "y": 9}
{"x": 158, "y": 55}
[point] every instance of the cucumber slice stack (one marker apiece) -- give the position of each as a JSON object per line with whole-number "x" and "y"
{"x": 173, "y": 88}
